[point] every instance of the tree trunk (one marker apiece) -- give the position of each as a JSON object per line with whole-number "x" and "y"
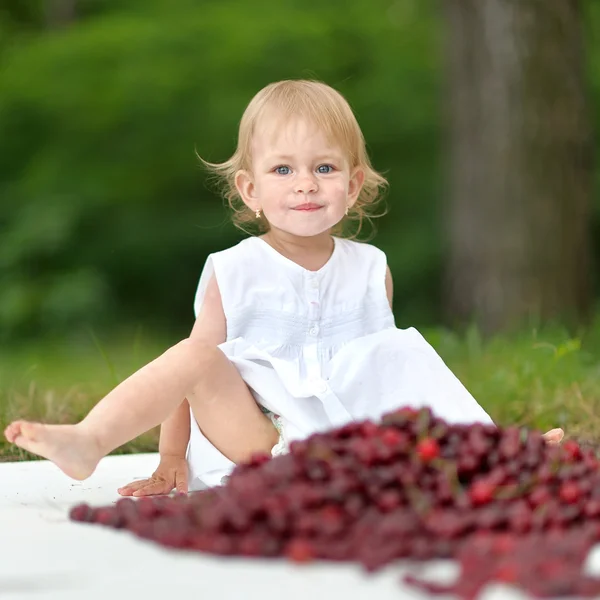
{"x": 60, "y": 13}
{"x": 520, "y": 162}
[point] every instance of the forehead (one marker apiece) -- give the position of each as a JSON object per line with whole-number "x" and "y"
{"x": 275, "y": 134}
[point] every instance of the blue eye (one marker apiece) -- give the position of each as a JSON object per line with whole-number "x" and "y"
{"x": 325, "y": 169}
{"x": 283, "y": 170}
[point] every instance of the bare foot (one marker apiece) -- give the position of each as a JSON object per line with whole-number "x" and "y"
{"x": 554, "y": 436}
{"x": 72, "y": 450}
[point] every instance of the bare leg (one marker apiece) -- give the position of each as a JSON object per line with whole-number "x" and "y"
{"x": 220, "y": 400}
{"x": 227, "y": 413}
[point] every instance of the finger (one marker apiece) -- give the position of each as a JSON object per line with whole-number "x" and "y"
{"x": 152, "y": 489}
{"x": 134, "y": 485}
{"x": 128, "y": 489}
{"x": 181, "y": 481}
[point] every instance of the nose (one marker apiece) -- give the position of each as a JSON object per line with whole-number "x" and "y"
{"x": 306, "y": 184}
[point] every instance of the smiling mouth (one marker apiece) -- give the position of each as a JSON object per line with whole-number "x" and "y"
{"x": 308, "y": 207}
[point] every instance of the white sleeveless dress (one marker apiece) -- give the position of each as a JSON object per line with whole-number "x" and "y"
{"x": 320, "y": 348}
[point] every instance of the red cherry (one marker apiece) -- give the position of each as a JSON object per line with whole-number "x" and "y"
{"x": 369, "y": 429}
{"x": 81, "y": 512}
{"x": 392, "y": 437}
{"x": 572, "y": 450}
{"x": 300, "y": 551}
{"x": 506, "y": 573}
{"x": 388, "y": 500}
{"x": 501, "y": 502}
{"x": 407, "y": 411}
{"x": 259, "y": 458}
{"x": 539, "y": 496}
{"x": 107, "y": 516}
{"x": 428, "y": 449}
{"x": 591, "y": 508}
{"x": 481, "y": 492}
{"x": 504, "y": 543}
{"x": 569, "y": 492}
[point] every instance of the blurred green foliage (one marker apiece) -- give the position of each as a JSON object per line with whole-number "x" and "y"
{"x": 106, "y": 216}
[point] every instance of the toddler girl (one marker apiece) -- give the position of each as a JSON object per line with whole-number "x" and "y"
{"x": 294, "y": 329}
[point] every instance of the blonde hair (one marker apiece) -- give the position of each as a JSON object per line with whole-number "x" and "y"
{"x": 327, "y": 109}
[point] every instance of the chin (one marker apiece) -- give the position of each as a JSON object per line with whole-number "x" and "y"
{"x": 305, "y": 229}
{"x": 308, "y": 232}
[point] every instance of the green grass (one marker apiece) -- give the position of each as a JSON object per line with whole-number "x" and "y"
{"x": 540, "y": 379}
{"x": 57, "y": 381}
{"x": 537, "y": 378}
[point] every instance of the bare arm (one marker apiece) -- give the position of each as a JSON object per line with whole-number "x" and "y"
{"x": 389, "y": 285}
{"x": 175, "y": 432}
{"x": 210, "y": 326}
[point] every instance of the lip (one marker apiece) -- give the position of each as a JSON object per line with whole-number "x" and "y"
{"x": 308, "y": 207}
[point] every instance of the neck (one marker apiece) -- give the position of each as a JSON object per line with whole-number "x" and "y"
{"x": 310, "y": 252}
{"x": 281, "y": 240}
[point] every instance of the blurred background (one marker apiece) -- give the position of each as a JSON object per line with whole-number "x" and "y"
{"x": 481, "y": 114}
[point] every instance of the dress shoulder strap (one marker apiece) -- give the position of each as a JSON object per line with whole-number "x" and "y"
{"x": 230, "y": 267}
{"x": 368, "y": 264}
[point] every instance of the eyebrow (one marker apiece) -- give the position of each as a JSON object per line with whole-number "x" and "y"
{"x": 333, "y": 155}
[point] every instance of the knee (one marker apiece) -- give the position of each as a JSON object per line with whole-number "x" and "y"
{"x": 201, "y": 354}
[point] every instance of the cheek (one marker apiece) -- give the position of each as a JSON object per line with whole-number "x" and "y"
{"x": 338, "y": 188}
{"x": 261, "y": 190}
{"x": 269, "y": 187}
{"x": 272, "y": 195}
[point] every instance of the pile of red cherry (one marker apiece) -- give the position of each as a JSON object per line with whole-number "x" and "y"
{"x": 502, "y": 502}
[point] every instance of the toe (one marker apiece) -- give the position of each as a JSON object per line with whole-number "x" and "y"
{"x": 12, "y": 431}
{"x": 29, "y": 430}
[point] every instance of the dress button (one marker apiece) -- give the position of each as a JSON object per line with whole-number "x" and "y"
{"x": 314, "y": 330}
{"x": 321, "y": 386}
{"x": 314, "y": 283}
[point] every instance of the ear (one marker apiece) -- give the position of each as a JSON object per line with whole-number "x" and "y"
{"x": 245, "y": 187}
{"x": 357, "y": 179}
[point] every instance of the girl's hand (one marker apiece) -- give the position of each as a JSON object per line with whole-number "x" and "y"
{"x": 172, "y": 472}
{"x": 554, "y": 436}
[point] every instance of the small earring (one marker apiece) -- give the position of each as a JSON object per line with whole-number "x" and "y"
{"x": 347, "y": 209}
{"x": 257, "y": 213}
